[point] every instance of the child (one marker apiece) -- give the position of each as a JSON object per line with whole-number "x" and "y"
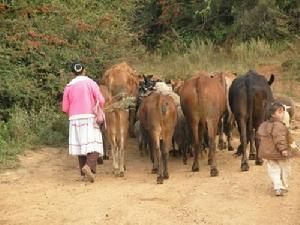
{"x": 274, "y": 146}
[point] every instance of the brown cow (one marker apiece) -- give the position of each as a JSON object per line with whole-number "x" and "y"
{"x": 158, "y": 117}
{"x": 203, "y": 102}
{"x": 121, "y": 78}
{"x": 117, "y": 131}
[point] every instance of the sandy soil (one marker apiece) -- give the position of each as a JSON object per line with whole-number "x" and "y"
{"x": 46, "y": 190}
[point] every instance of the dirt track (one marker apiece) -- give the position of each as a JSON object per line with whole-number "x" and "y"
{"x": 45, "y": 190}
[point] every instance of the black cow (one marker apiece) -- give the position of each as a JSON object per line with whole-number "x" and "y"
{"x": 250, "y": 96}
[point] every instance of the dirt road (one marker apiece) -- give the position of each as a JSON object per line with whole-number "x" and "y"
{"x": 45, "y": 190}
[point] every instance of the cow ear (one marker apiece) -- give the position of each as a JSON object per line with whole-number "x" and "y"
{"x": 271, "y": 80}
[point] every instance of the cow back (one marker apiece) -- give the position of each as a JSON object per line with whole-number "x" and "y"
{"x": 203, "y": 97}
{"x": 250, "y": 96}
{"x": 158, "y": 113}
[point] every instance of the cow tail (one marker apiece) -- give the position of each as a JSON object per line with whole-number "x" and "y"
{"x": 164, "y": 107}
{"x": 250, "y": 109}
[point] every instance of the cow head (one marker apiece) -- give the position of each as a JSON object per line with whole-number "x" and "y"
{"x": 177, "y": 85}
{"x": 147, "y": 85}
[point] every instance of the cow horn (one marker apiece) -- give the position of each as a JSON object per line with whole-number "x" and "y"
{"x": 271, "y": 80}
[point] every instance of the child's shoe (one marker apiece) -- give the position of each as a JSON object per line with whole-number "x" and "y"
{"x": 278, "y": 192}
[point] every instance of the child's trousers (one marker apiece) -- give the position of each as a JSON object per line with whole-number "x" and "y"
{"x": 278, "y": 171}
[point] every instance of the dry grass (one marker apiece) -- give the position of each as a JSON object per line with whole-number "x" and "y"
{"x": 204, "y": 56}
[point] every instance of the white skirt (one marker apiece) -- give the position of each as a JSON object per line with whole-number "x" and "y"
{"x": 84, "y": 137}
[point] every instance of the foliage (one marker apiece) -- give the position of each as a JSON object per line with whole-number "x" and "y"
{"x": 38, "y": 42}
{"x": 172, "y": 24}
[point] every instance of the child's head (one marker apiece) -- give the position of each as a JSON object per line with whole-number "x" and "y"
{"x": 277, "y": 111}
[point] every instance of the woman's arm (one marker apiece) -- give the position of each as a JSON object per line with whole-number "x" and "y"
{"x": 97, "y": 95}
{"x": 66, "y": 101}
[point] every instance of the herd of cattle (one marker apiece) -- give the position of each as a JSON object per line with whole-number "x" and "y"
{"x": 190, "y": 114}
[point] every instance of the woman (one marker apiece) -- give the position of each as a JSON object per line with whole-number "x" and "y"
{"x": 85, "y": 139}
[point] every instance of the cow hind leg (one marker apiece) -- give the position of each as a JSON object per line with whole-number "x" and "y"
{"x": 131, "y": 122}
{"x": 105, "y": 145}
{"x": 141, "y": 145}
{"x": 252, "y": 148}
{"x": 212, "y": 133}
{"x": 258, "y": 161}
{"x": 122, "y": 157}
{"x": 159, "y": 156}
{"x": 229, "y": 141}
{"x": 195, "y": 130}
{"x": 114, "y": 151}
{"x": 244, "y": 141}
{"x": 228, "y": 132}
{"x": 165, "y": 156}
{"x": 154, "y": 151}
{"x": 183, "y": 148}
{"x": 222, "y": 143}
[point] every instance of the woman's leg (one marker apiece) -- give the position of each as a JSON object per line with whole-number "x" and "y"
{"x": 91, "y": 160}
{"x": 82, "y": 162}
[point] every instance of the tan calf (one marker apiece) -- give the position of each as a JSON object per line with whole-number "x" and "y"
{"x": 158, "y": 116}
{"x": 117, "y": 132}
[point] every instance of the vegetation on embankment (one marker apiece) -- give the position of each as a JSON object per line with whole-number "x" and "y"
{"x": 40, "y": 38}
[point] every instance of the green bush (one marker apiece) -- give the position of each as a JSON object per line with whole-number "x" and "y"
{"x": 162, "y": 23}
{"x": 50, "y": 127}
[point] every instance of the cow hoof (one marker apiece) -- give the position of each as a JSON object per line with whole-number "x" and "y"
{"x": 252, "y": 157}
{"x": 230, "y": 148}
{"x": 105, "y": 157}
{"x": 166, "y": 176}
{"x": 122, "y": 174}
{"x": 239, "y": 151}
{"x": 259, "y": 162}
{"x": 222, "y": 146}
{"x": 100, "y": 161}
{"x": 237, "y": 154}
{"x": 245, "y": 167}
{"x": 160, "y": 180}
{"x": 116, "y": 173}
{"x": 184, "y": 162}
{"x": 195, "y": 168}
{"x": 209, "y": 162}
{"x": 214, "y": 172}
{"x": 154, "y": 171}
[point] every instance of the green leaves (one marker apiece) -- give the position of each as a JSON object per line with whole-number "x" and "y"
{"x": 218, "y": 20}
